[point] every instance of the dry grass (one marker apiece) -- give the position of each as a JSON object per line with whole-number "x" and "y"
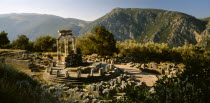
{"x": 12, "y": 50}
{"x": 18, "y": 87}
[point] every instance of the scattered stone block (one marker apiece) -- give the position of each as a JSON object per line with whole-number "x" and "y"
{"x": 91, "y": 72}
{"x": 51, "y": 71}
{"x": 67, "y": 74}
{"x": 143, "y": 66}
{"x": 78, "y": 73}
{"x": 58, "y": 73}
{"x": 101, "y": 72}
{"x": 154, "y": 66}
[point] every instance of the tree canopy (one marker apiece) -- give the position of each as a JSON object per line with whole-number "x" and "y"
{"x": 45, "y": 43}
{"x": 85, "y": 43}
{"x": 3, "y": 39}
{"x": 101, "y": 42}
{"x": 22, "y": 42}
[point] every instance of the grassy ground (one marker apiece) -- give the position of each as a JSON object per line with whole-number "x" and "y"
{"x": 18, "y": 87}
{"x": 12, "y": 50}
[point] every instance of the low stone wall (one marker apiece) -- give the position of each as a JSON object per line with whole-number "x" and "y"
{"x": 19, "y": 64}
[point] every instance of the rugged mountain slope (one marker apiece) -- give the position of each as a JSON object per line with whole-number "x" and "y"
{"x": 204, "y": 38}
{"x": 146, "y": 25}
{"x": 35, "y": 25}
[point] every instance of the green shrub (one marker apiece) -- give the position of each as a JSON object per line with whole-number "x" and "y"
{"x": 158, "y": 52}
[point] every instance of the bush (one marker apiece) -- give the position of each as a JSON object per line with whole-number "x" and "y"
{"x": 158, "y": 52}
{"x": 144, "y": 52}
{"x": 45, "y": 44}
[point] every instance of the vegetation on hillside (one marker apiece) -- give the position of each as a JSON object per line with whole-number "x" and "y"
{"x": 158, "y": 52}
{"x": 150, "y": 25}
{"x": 17, "y": 87}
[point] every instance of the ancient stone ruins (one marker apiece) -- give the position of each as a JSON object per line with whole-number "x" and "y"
{"x": 71, "y": 58}
{"x": 74, "y": 78}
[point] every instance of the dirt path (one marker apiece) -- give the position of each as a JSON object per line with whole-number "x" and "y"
{"x": 148, "y": 78}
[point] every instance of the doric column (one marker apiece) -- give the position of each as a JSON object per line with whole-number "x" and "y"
{"x": 64, "y": 46}
{"x": 67, "y": 46}
{"x": 58, "y": 51}
{"x": 74, "y": 45}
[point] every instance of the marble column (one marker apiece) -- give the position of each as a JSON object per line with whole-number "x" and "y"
{"x": 74, "y": 45}
{"x": 66, "y": 46}
{"x": 58, "y": 51}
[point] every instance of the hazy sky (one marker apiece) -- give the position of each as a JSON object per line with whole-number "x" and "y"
{"x": 93, "y": 9}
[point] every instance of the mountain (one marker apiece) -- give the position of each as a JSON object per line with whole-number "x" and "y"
{"x": 35, "y": 25}
{"x": 204, "y": 38}
{"x": 142, "y": 25}
{"x": 145, "y": 25}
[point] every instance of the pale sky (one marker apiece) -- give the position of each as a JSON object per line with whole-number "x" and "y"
{"x": 90, "y": 10}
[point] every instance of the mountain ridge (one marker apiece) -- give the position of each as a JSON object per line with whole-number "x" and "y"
{"x": 34, "y": 25}
{"x": 145, "y": 25}
{"x": 142, "y": 25}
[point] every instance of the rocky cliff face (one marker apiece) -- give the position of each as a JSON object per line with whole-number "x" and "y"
{"x": 146, "y": 25}
{"x": 203, "y": 39}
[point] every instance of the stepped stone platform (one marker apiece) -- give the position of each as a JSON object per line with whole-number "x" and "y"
{"x": 73, "y": 78}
